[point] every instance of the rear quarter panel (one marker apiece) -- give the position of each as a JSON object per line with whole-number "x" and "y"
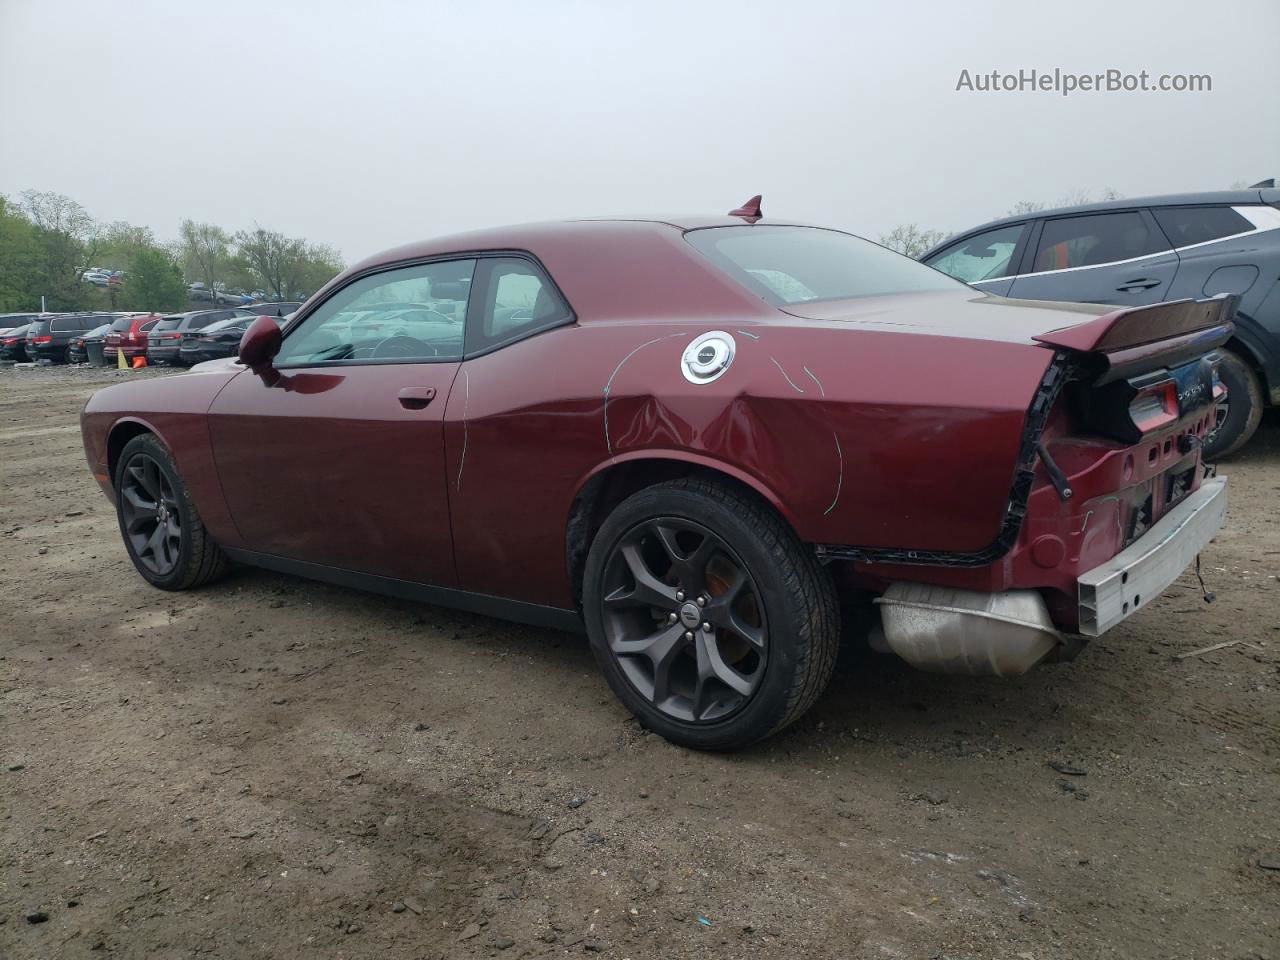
{"x": 857, "y": 437}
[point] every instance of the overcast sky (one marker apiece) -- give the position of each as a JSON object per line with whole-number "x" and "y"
{"x": 367, "y": 124}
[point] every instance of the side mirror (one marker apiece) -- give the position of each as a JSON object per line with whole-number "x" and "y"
{"x": 260, "y": 344}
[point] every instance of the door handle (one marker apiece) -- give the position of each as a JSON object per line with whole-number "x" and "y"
{"x": 1142, "y": 283}
{"x": 416, "y": 398}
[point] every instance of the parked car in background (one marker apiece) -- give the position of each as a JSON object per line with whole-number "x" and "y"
{"x": 128, "y": 335}
{"x": 693, "y": 437}
{"x": 97, "y": 279}
{"x": 79, "y": 351}
{"x": 164, "y": 340}
{"x": 220, "y": 339}
{"x": 278, "y": 308}
{"x": 50, "y": 338}
{"x": 11, "y": 321}
{"x": 13, "y": 343}
{"x": 1134, "y": 252}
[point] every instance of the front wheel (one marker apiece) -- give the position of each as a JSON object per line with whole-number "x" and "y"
{"x": 712, "y": 622}
{"x": 1238, "y": 416}
{"x": 162, "y": 530}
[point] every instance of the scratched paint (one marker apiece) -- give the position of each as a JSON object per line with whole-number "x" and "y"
{"x": 794, "y": 386}
{"x": 812, "y": 377}
{"x": 466, "y": 402}
{"x": 839, "y": 476}
{"x": 608, "y": 443}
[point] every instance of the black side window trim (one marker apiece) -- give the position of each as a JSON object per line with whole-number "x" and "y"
{"x": 479, "y": 256}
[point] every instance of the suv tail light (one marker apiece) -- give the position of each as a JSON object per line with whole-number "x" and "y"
{"x": 44, "y": 339}
{"x": 1155, "y": 407}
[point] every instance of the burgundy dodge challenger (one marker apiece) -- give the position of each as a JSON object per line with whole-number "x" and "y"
{"x": 696, "y": 437}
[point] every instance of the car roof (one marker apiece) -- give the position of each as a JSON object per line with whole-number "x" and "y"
{"x": 607, "y": 268}
{"x": 1219, "y": 197}
{"x": 528, "y": 235}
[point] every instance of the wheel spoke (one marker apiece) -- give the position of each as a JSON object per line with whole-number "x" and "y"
{"x": 648, "y": 591}
{"x": 691, "y": 567}
{"x": 655, "y": 645}
{"x": 711, "y": 666}
{"x": 722, "y": 612}
{"x": 148, "y": 476}
{"x": 135, "y": 498}
{"x": 154, "y": 541}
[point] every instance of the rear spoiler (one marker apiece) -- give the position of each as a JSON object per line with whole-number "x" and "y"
{"x": 1135, "y": 340}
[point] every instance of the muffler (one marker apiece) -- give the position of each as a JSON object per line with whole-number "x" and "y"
{"x": 944, "y": 630}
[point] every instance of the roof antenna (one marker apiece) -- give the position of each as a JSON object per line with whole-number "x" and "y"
{"x": 749, "y": 211}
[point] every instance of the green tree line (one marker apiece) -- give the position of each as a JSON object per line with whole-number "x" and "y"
{"x": 47, "y": 241}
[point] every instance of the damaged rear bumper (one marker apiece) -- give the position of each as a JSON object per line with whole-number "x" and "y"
{"x": 949, "y": 630}
{"x": 1113, "y": 591}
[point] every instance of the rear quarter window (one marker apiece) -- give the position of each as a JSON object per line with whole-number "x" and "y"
{"x": 1187, "y": 225}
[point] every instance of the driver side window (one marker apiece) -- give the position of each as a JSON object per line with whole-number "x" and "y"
{"x": 410, "y": 314}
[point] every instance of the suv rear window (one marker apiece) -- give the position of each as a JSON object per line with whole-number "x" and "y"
{"x": 787, "y": 265}
{"x": 121, "y": 324}
{"x": 168, "y": 323}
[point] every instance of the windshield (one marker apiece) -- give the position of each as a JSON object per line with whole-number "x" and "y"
{"x": 787, "y": 265}
{"x": 219, "y": 326}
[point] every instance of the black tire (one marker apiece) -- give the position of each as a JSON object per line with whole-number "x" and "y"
{"x": 1243, "y": 410}
{"x": 191, "y": 558}
{"x": 799, "y": 623}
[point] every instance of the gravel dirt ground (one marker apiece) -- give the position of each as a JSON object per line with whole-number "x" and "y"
{"x": 276, "y": 768}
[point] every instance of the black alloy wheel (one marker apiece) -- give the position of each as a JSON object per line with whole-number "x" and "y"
{"x": 150, "y": 516}
{"x": 712, "y": 622}
{"x": 682, "y": 615}
{"x": 162, "y": 530}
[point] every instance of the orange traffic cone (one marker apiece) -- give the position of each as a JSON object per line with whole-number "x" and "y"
{"x": 139, "y": 362}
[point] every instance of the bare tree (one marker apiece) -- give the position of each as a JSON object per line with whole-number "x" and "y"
{"x": 909, "y": 240}
{"x": 288, "y": 268}
{"x": 1025, "y": 206}
{"x": 204, "y": 251}
{"x": 73, "y": 232}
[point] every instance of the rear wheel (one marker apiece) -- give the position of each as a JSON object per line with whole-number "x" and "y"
{"x": 161, "y": 527}
{"x": 712, "y": 622}
{"x": 1241, "y": 412}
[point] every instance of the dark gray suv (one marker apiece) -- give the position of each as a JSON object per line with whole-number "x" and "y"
{"x": 1130, "y": 252}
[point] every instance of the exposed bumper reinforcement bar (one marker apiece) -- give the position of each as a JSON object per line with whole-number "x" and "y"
{"x": 1138, "y": 574}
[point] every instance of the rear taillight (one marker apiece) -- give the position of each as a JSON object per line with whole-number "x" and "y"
{"x": 1155, "y": 407}
{"x": 44, "y": 339}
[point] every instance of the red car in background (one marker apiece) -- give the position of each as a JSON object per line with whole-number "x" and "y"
{"x": 693, "y": 437}
{"x": 128, "y": 335}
